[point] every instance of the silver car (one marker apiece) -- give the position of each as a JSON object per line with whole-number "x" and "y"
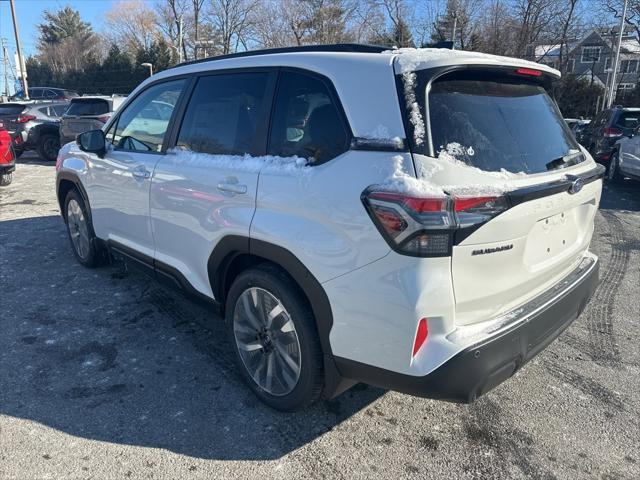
{"x": 87, "y": 113}
{"x": 625, "y": 160}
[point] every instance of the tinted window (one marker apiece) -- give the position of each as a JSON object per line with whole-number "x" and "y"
{"x": 628, "y": 120}
{"x": 500, "y": 124}
{"x": 8, "y": 109}
{"x": 88, "y": 107}
{"x": 144, "y": 122}
{"x": 223, "y": 114}
{"x": 306, "y": 122}
{"x": 58, "y": 110}
{"x": 35, "y": 93}
{"x": 44, "y": 111}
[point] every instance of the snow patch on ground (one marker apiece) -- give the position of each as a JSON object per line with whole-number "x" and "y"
{"x": 243, "y": 163}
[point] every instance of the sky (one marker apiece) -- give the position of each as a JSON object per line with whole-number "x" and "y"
{"x": 29, "y": 15}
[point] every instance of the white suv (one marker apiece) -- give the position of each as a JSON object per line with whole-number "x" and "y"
{"x": 413, "y": 219}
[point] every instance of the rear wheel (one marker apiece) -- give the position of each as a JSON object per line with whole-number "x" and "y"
{"x": 84, "y": 243}
{"x": 613, "y": 173}
{"x": 272, "y": 329}
{"x": 6, "y": 179}
{"x": 48, "y": 147}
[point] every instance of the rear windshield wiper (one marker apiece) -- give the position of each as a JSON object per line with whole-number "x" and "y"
{"x": 571, "y": 158}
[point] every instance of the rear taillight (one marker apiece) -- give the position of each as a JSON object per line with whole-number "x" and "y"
{"x": 25, "y": 118}
{"x": 426, "y": 226}
{"x": 612, "y": 132}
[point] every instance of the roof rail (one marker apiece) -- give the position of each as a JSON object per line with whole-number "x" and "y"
{"x": 338, "y": 47}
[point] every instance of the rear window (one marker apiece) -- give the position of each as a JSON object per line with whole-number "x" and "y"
{"x": 628, "y": 120}
{"x": 7, "y": 109}
{"x": 88, "y": 107}
{"x": 500, "y": 123}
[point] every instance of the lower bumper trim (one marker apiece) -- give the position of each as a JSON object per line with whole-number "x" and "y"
{"x": 483, "y": 366}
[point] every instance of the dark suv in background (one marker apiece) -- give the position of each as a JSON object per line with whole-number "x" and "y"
{"x": 606, "y": 129}
{"x": 47, "y": 93}
{"x": 34, "y": 126}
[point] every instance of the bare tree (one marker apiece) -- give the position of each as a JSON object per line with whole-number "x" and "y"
{"x": 232, "y": 22}
{"x": 132, "y": 25}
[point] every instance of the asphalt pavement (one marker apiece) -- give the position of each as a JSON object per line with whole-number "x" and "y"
{"x": 105, "y": 374}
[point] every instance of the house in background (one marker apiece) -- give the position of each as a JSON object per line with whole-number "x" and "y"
{"x": 592, "y": 58}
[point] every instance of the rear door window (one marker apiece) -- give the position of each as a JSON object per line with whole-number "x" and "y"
{"x": 88, "y": 107}
{"x": 224, "y": 113}
{"x": 501, "y": 123}
{"x": 306, "y": 121}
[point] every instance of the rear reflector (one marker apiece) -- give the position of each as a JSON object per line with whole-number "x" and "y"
{"x": 421, "y": 336}
{"x": 529, "y": 72}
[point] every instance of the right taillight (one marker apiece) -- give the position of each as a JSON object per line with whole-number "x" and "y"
{"x": 427, "y": 226}
{"x": 612, "y": 132}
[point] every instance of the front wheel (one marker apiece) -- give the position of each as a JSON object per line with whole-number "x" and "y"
{"x": 272, "y": 328}
{"x": 6, "y": 179}
{"x": 613, "y": 173}
{"x": 84, "y": 243}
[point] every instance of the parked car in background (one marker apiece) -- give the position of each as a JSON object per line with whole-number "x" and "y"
{"x": 46, "y": 93}
{"x": 87, "y": 113}
{"x": 625, "y": 158}
{"x": 348, "y": 240}
{"x": 606, "y": 129}
{"x": 7, "y": 157}
{"x": 579, "y": 129}
{"x": 37, "y": 127}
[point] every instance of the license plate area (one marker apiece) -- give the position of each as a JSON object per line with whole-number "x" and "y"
{"x": 553, "y": 237}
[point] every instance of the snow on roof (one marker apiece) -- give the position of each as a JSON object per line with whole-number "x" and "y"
{"x": 412, "y": 59}
{"x": 630, "y": 45}
{"x": 547, "y": 51}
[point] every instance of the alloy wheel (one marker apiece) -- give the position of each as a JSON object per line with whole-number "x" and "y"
{"x": 78, "y": 230}
{"x": 267, "y": 341}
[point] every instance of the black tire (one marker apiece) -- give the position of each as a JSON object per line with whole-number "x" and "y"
{"x": 276, "y": 282}
{"x": 48, "y": 147}
{"x": 613, "y": 172}
{"x": 6, "y": 179}
{"x": 94, "y": 255}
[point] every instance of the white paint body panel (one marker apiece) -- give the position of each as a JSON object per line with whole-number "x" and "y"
{"x": 629, "y": 156}
{"x": 377, "y": 296}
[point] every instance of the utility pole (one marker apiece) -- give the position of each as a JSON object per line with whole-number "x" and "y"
{"x": 612, "y": 89}
{"x": 23, "y": 68}
{"x": 180, "y": 40}
{"x": 455, "y": 27}
{"x": 5, "y": 65}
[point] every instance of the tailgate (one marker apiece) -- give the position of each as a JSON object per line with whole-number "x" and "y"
{"x": 526, "y": 249}
{"x": 525, "y": 194}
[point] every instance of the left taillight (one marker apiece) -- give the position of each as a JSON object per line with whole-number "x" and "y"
{"x": 25, "y": 118}
{"x": 427, "y": 226}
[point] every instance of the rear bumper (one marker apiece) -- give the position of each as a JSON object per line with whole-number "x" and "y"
{"x": 7, "y": 167}
{"x": 497, "y": 356}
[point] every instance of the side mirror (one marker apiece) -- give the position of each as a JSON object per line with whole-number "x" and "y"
{"x": 92, "y": 141}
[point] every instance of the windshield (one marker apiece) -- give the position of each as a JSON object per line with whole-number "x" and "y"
{"x": 501, "y": 123}
{"x": 88, "y": 107}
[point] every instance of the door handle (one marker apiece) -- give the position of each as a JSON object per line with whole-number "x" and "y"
{"x": 231, "y": 187}
{"x": 141, "y": 173}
